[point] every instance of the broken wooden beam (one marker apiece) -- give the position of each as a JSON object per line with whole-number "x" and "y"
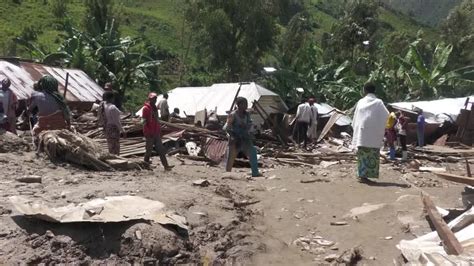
{"x": 468, "y": 168}
{"x": 457, "y": 178}
{"x": 450, "y": 242}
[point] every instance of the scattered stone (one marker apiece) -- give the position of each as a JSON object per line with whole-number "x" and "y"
{"x": 201, "y": 183}
{"x": 29, "y": 179}
{"x": 283, "y": 190}
{"x": 4, "y": 210}
{"x": 350, "y": 256}
{"x": 326, "y": 164}
{"x": 340, "y": 223}
{"x": 334, "y": 248}
{"x": 388, "y": 238}
{"x": 138, "y": 234}
{"x": 331, "y": 258}
{"x": 364, "y": 209}
{"x": 49, "y": 234}
{"x": 325, "y": 243}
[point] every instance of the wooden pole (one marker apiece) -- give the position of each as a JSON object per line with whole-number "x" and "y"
{"x": 235, "y": 98}
{"x": 66, "y": 85}
{"x": 457, "y": 178}
{"x": 450, "y": 242}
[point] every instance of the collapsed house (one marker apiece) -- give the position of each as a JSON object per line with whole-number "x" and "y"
{"x": 451, "y": 116}
{"x": 78, "y": 88}
{"x": 219, "y": 98}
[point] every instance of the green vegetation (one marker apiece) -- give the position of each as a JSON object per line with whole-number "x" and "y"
{"x": 329, "y": 47}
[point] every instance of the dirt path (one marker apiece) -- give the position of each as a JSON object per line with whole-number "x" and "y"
{"x": 222, "y": 228}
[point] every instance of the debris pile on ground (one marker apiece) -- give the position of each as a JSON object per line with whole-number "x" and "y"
{"x": 450, "y": 243}
{"x": 10, "y": 142}
{"x": 67, "y": 146}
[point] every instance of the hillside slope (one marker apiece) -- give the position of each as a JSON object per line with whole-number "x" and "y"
{"x": 161, "y": 21}
{"x": 429, "y": 12}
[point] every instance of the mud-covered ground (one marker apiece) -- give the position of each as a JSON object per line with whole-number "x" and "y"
{"x": 292, "y": 215}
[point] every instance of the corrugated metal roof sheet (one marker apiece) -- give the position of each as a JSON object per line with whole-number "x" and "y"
{"x": 215, "y": 149}
{"x": 436, "y": 111}
{"x": 23, "y": 75}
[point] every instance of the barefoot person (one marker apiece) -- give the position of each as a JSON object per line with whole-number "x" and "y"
{"x": 112, "y": 125}
{"x": 151, "y": 131}
{"x": 370, "y": 117}
{"x": 237, "y": 126}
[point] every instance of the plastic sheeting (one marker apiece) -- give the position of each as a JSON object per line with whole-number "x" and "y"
{"x": 219, "y": 97}
{"x": 436, "y": 111}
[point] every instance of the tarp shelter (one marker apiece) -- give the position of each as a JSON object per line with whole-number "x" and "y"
{"x": 82, "y": 91}
{"x": 219, "y": 97}
{"x": 437, "y": 111}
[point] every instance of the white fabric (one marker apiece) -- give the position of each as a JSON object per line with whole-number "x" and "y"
{"x": 219, "y": 97}
{"x": 303, "y": 113}
{"x": 369, "y": 121}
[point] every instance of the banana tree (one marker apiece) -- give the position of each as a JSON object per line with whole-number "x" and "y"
{"x": 430, "y": 78}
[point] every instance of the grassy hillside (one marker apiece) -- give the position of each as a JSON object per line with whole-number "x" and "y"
{"x": 429, "y": 12}
{"x": 161, "y": 21}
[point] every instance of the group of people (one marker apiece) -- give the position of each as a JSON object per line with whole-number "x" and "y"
{"x": 46, "y": 105}
{"x": 371, "y": 123}
{"x": 306, "y": 120}
{"x": 109, "y": 118}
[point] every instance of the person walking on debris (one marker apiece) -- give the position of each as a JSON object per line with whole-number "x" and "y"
{"x": 391, "y": 134}
{"x": 8, "y": 105}
{"x": 152, "y": 130}
{"x": 237, "y": 127}
{"x": 53, "y": 112}
{"x": 420, "y": 128}
{"x": 313, "y": 122}
{"x": 370, "y": 118}
{"x": 402, "y": 126}
{"x": 303, "y": 118}
{"x": 112, "y": 125}
{"x": 164, "y": 108}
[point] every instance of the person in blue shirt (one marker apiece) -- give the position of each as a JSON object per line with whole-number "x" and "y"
{"x": 420, "y": 128}
{"x": 240, "y": 139}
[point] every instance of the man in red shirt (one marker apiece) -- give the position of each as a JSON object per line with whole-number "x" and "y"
{"x": 151, "y": 131}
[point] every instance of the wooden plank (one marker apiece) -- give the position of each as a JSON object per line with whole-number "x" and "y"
{"x": 450, "y": 242}
{"x": 468, "y": 168}
{"x": 332, "y": 120}
{"x": 457, "y": 178}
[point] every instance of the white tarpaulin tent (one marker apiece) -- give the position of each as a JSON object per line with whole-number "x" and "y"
{"x": 436, "y": 111}
{"x": 219, "y": 97}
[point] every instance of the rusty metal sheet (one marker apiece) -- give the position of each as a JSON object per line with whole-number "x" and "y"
{"x": 23, "y": 75}
{"x": 215, "y": 149}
